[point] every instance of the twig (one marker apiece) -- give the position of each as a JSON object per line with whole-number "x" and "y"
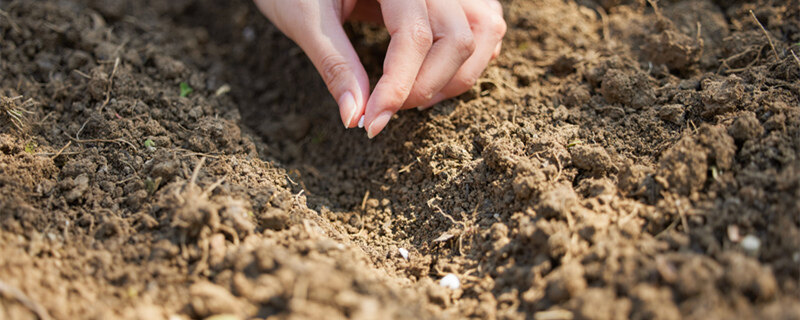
{"x": 33, "y": 306}
{"x": 61, "y": 150}
{"x": 772, "y": 45}
{"x": 110, "y": 85}
{"x": 796, "y": 59}
{"x": 190, "y": 153}
{"x": 196, "y": 170}
{"x": 82, "y": 74}
{"x": 50, "y": 154}
{"x": 117, "y": 141}
{"x": 682, "y": 215}
{"x": 694, "y": 127}
{"x": 752, "y": 63}
{"x": 407, "y": 167}
{"x": 364, "y": 201}
{"x": 438, "y": 209}
{"x": 134, "y": 176}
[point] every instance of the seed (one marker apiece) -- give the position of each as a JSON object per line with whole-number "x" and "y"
{"x": 450, "y": 281}
{"x": 361, "y": 122}
{"x": 403, "y": 253}
{"x": 751, "y": 244}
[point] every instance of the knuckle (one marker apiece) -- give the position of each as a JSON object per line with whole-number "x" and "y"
{"x": 499, "y": 27}
{"x": 465, "y": 44}
{"x": 333, "y": 69}
{"x": 397, "y": 94}
{"x": 423, "y": 93}
{"x": 421, "y": 35}
{"x": 465, "y": 82}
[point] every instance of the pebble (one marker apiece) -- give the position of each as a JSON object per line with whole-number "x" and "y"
{"x": 361, "y": 122}
{"x": 450, "y": 281}
{"x": 733, "y": 233}
{"x": 403, "y": 253}
{"x": 751, "y": 243}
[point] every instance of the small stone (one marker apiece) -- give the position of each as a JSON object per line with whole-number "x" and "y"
{"x": 450, "y": 281}
{"x": 403, "y": 253}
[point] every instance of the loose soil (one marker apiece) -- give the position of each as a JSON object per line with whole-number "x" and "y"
{"x": 616, "y": 161}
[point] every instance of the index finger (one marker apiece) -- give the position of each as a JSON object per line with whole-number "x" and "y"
{"x": 411, "y": 39}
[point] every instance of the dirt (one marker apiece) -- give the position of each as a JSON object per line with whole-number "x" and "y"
{"x": 618, "y": 160}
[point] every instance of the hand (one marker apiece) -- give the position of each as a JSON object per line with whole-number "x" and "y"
{"x": 438, "y": 49}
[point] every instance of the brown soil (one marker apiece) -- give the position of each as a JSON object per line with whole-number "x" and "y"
{"x": 616, "y": 161}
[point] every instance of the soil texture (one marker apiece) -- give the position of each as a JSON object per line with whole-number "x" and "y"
{"x": 621, "y": 159}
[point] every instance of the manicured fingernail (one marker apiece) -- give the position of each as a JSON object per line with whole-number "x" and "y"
{"x": 378, "y": 124}
{"x": 347, "y": 107}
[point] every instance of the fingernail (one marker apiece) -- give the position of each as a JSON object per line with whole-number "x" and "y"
{"x": 378, "y": 124}
{"x": 347, "y": 106}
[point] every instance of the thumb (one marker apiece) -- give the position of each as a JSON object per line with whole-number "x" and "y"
{"x": 332, "y": 53}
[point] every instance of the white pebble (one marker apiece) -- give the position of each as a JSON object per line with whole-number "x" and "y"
{"x": 403, "y": 253}
{"x": 751, "y": 243}
{"x": 450, "y": 281}
{"x": 249, "y": 34}
{"x": 361, "y": 122}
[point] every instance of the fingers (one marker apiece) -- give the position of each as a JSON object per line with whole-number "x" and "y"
{"x": 417, "y": 69}
{"x": 453, "y": 44}
{"x": 488, "y": 26}
{"x": 340, "y": 68}
{"x": 316, "y": 27}
{"x": 498, "y": 9}
{"x": 337, "y": 62}
{"x": 411, "y": 39}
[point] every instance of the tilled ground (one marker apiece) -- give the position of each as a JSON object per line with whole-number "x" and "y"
{"x": 618, "y": 160}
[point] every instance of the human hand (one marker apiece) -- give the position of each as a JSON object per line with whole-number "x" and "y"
{"x": 438, "y": 49}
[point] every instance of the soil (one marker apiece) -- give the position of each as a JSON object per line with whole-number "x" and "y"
{"x": 618, "y": 160}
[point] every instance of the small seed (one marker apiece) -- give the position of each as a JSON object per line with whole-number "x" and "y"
{"x": 450, "y": 281}
{"x": 751, "y": 244}
{"x": 403, "y": 253}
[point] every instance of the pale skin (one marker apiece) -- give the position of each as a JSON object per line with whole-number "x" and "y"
{"x": 438, "y": 49}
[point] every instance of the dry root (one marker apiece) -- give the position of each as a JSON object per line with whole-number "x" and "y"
{"x": 16, "y": 110}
